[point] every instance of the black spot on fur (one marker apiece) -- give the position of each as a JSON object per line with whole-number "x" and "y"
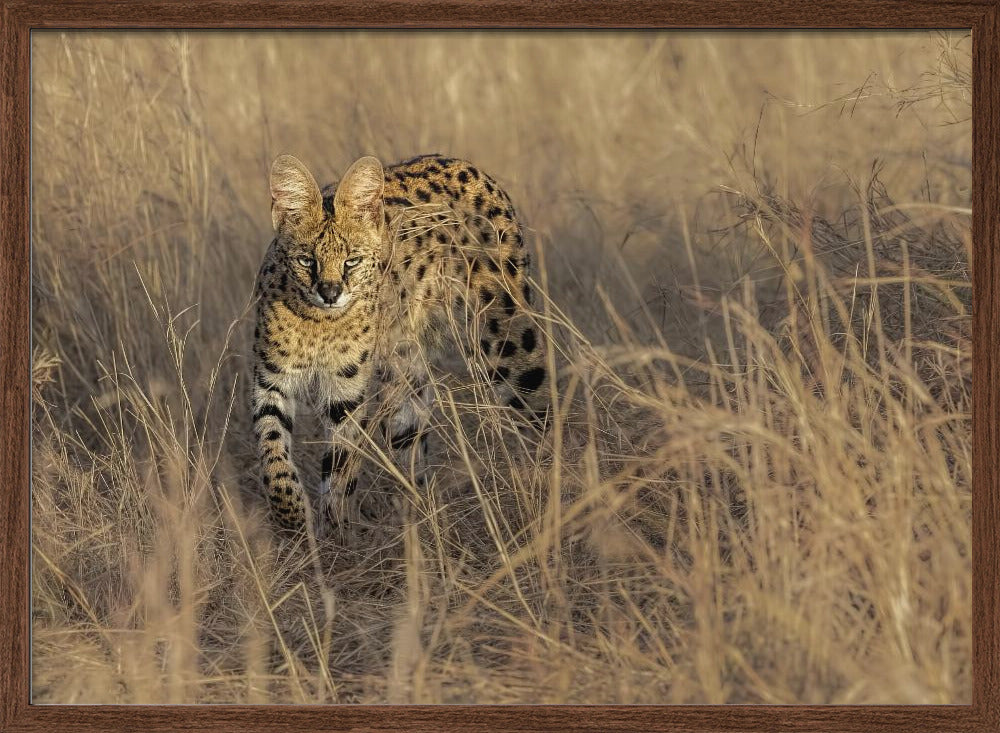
{"x": 463, "y": 177}
{"x": 272, "y": 435}
{"x": 517, "y": 403}
{"x": 442, "y": 237}
{"x": 435, "y": 186}
{"x": 531, "y": 380}
{"x": 508, "y": 303}
{"x": 527, "y": 293}
{"x": 485, "y": 346}
{"x": 421, "y": 271}
{"x": 473, "y": 172}
{"x": 475, "y": 266}
{"x": 485, "y": 295}
{"x": 348, "y": 372}
{"x": 364, "y": 357}
{"x": 397, "y": 201}
{"x": 511, "y": 266}
{"x": 423, "y": 194}
{"x": 490, "y": 263}
{"x": 500, "y": 374}
{"x": 274, "y": 411}
{"x": 494, "y": 212}
{"x": 270, "y": 365}
{"x": 508, "y": 348}
{"x": 494, "y": 326}
{"x": 528, "y": 340}
{"x": 265, "y": 385}
{"x": 339, "y": 410}
{"x": 478, "y": 202}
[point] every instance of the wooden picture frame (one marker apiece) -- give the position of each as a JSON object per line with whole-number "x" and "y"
{"x": 19, "y": 17}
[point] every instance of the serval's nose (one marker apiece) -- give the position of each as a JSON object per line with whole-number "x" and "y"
{"x": 330, "y": 290}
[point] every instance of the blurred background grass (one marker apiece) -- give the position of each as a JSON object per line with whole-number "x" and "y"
{"x": 754, "y": 249}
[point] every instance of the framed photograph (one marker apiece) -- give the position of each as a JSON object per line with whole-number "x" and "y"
{"x": 499, "y": 365}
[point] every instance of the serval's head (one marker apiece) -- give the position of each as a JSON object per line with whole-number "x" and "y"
{"x": 331, "y": 248}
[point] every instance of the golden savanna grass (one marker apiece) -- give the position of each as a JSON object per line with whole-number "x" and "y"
{"x": 755, "y": 486}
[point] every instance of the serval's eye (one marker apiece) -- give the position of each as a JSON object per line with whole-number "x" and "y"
{"x": 305, "y": 261}
{"x": 353, "y": 262}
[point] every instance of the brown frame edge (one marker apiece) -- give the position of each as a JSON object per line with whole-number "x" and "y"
{"x": 19, "y": 17}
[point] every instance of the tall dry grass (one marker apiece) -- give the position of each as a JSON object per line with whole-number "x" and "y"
{"x": 756, "y": 483}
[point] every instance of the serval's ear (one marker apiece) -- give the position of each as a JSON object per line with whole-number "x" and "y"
{"x": 296, "y": 202}
{"x": 359, "y": 195}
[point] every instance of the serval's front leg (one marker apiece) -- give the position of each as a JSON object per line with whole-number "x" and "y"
{"x": 343, "y": 419}
{"x": 273, "y": 416}
{"x": 408, "y": 396}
